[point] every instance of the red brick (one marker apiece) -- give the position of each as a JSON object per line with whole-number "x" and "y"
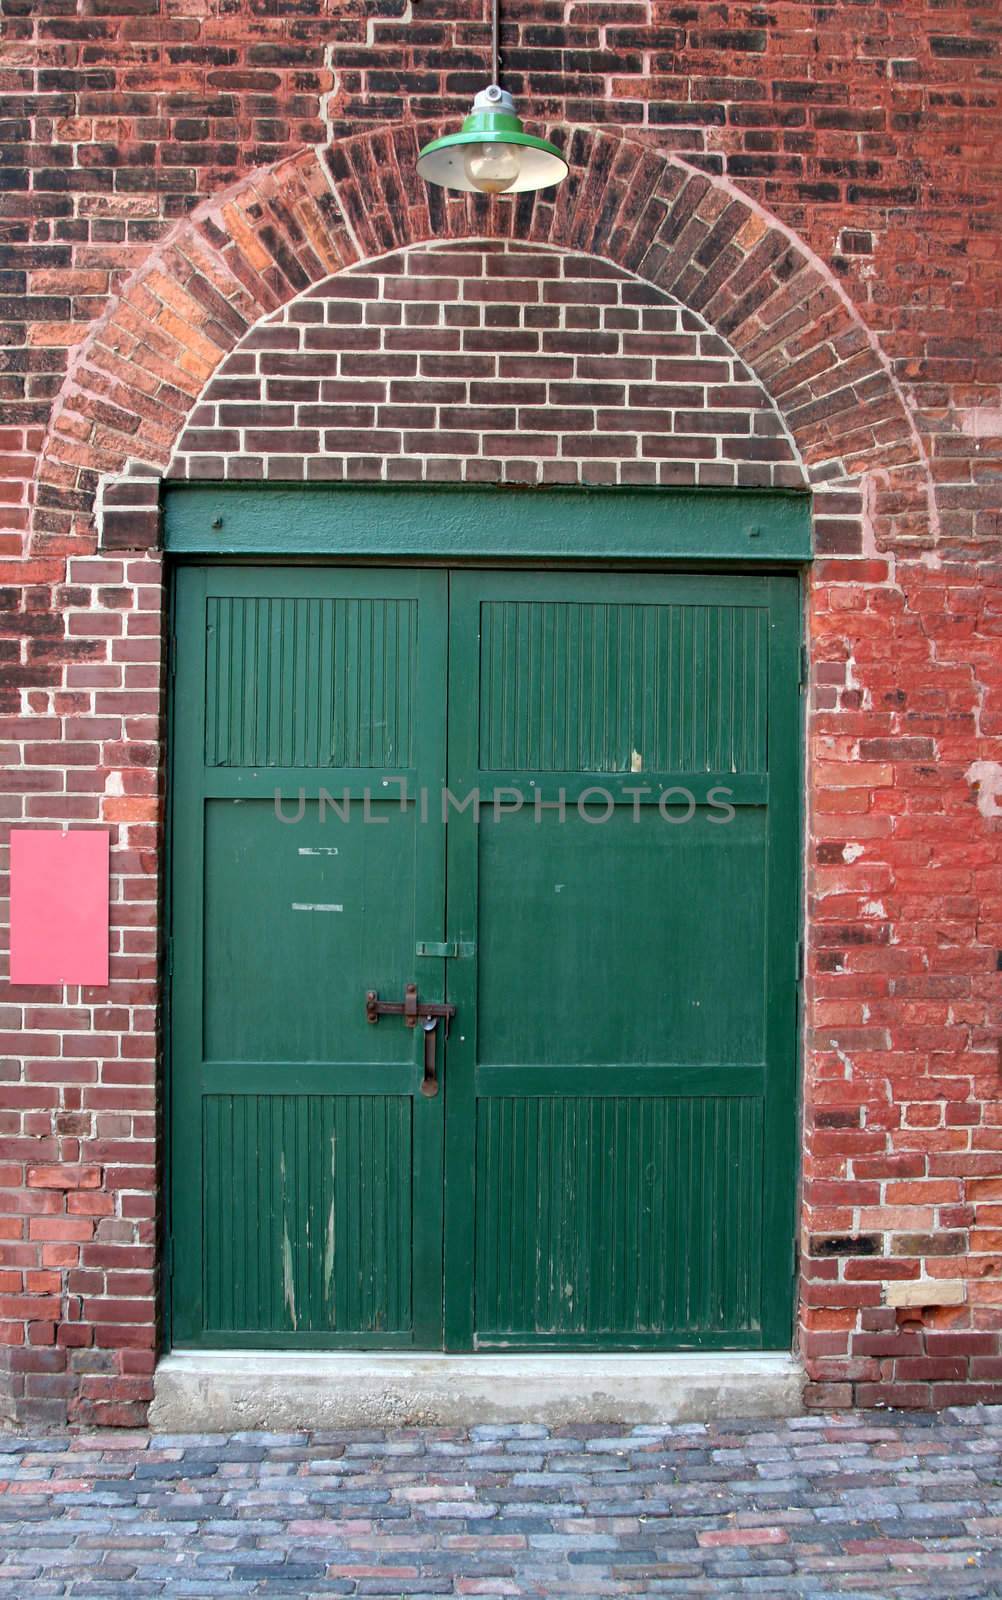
{"x": 65, "y": 1177}
{"x": 742, "y": 1536}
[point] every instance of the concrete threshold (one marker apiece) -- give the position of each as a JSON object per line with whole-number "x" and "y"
{"x": 224, "y": 1391}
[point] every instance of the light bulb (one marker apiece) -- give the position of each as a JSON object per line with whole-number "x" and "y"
{"x": 492, "y": 168}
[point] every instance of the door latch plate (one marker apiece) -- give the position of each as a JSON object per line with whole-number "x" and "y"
{"x": 461, "y": 949}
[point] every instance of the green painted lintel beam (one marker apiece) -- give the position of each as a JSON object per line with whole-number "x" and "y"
{"x": 437, "y": 522}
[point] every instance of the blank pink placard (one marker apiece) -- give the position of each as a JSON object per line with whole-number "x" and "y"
{"x": 59, "y": 905}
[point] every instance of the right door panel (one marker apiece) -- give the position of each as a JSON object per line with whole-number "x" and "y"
{"x": 620, "y": 1117}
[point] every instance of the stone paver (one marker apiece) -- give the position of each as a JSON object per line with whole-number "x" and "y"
{"x": 869, "y": 1505}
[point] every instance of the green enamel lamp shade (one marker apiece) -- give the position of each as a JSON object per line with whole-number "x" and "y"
{"x": 492, "y": 155}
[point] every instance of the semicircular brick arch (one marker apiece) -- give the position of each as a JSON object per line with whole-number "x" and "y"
{"x": 250, "y": 251}
{"x": 487, "y": 361}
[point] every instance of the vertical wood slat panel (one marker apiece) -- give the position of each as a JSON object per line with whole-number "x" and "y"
{"x": 308, "y": 1205}
{"x": 618, "y": 1215}
{"x": 579, "y": 688}
{"x": 309, "y": 682}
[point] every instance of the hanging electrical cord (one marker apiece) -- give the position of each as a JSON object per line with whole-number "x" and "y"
{"x": 492, "y": 154}
{"x": 495, "y": 36}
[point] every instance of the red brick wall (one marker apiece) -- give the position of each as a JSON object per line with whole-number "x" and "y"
{"x": 77, "y": 1088}
{"x": 868, "y": 312}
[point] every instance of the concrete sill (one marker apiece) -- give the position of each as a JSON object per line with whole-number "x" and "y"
{"x": 230, "y": 1390}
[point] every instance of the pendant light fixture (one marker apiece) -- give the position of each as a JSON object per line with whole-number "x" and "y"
{"x": 492, "y": 154}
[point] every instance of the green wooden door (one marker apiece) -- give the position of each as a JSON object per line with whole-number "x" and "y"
{"x": 307, "y": 1176}
{"x": 619, "y": 1167}
{"x": 617, "y": 1115}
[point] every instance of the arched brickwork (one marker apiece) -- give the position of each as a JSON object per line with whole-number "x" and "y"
{"x": 902, "y": 1115}
{"x": 486, "y": 361}
{"x": 688, "y": 234}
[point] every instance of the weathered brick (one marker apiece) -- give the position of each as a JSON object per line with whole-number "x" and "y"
{"x": 64, "y": 1177}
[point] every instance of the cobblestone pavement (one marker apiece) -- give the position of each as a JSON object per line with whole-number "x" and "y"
{"x": 871, "y": 1505}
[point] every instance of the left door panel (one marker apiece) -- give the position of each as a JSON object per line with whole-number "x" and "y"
{"x": 308, "y": 716}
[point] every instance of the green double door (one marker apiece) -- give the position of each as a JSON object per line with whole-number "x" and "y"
{"x": 563, "y": 803}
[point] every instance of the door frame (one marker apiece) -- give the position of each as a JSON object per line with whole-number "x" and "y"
{"x": 766, "y": 532}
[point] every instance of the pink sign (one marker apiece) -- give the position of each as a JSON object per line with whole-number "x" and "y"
{"x": 59, "y": 905}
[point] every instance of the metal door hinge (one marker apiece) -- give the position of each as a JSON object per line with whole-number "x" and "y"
{"x": 796, "y": 1257}
{"x": 800, "y": 960}
{"x": 461, "y": 949}
{"x": 172, "y": 655}
{"x": 805, "y": 666}
{"x": 168, "y": 1257}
